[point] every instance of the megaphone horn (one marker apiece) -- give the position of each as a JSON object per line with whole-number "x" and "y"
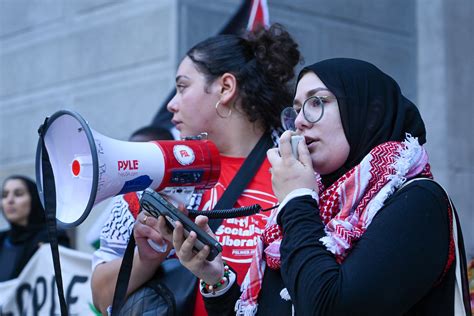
{"x": 89, "y": 167}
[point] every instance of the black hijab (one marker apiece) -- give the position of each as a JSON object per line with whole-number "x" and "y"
{"x": 36, "y": 219}
{"x": 25, "y": 239}
{"x": 372, "y": 108}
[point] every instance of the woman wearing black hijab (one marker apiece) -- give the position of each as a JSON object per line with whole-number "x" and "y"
{"x": 22, "y": 208}
{"x": 355, "y": 239}
{"x": 360, "y": 241}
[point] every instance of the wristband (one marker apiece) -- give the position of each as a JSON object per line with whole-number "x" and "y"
{"x": 212, "y": 288}
{"x": 221, "y": 290}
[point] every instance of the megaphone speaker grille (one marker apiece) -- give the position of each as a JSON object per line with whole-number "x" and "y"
{"x": 89, "y": 167}
{"x": 73, "y": 157}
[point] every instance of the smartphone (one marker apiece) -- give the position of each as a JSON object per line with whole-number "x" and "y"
{"x": 156, "y": 205}
{"x": 295, "y": 139}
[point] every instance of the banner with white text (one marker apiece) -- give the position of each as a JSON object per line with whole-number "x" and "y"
{"x": 34, "y": 292}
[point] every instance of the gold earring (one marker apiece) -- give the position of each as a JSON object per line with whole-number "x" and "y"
{"x": 219, "y": 114}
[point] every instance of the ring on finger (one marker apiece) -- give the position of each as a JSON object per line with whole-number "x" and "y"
{"x": 144, "y": 219}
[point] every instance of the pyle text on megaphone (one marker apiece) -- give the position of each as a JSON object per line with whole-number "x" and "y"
{"x": 89, "y": 167}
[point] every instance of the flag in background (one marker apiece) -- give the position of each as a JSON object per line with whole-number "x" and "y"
{"x": 258, "y": 15}
{"x": 250, "y": 14}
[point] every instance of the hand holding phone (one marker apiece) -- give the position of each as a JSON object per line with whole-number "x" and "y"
{"x": 156, "y": 205}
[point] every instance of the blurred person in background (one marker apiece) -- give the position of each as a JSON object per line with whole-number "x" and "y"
{"x": 22, "y": 209}
{"x": 149, "y": 133}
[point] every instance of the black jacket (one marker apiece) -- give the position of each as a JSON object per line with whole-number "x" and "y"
{"x": 394, "y": 269}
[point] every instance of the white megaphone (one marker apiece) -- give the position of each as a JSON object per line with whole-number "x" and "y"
{"x": 89, "y": 167}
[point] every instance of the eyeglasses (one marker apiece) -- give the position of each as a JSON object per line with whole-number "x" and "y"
{"x": 313, "y": 110}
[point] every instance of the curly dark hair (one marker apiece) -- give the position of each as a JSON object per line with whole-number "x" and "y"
{"x": 263, "y": 63}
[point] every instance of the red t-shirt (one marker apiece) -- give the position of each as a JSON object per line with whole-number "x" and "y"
{"x": 238, "y": 236}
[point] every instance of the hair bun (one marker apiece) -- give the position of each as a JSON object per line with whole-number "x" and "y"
{"x": 276, "y": 51}
{"x": 262, "y": 63}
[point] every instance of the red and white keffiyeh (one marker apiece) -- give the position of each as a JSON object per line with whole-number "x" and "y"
{"x": 346, "y": 208}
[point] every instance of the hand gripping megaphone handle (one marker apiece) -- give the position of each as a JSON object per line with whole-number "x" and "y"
{"x": 156, "y": 205}
{"x": 153, "y": 209}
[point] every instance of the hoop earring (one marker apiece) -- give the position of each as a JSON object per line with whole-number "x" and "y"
{"x": 219, "y": 114}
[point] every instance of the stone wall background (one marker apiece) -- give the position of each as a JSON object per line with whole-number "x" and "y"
{"x": 114, "y": 61}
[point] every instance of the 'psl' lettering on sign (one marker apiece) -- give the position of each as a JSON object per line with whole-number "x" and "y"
{"x": 128, "y": 165}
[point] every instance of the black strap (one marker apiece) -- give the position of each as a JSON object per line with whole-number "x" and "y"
{"x": 50, "y": 214}
{"x": 243, "y": 177}
{"x": 123, "y": 277}
{"x": 463, "y": 265}
{"x": 462, "y": 253}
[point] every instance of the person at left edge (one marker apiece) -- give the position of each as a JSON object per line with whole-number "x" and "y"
{"x": 22, "y": 209}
